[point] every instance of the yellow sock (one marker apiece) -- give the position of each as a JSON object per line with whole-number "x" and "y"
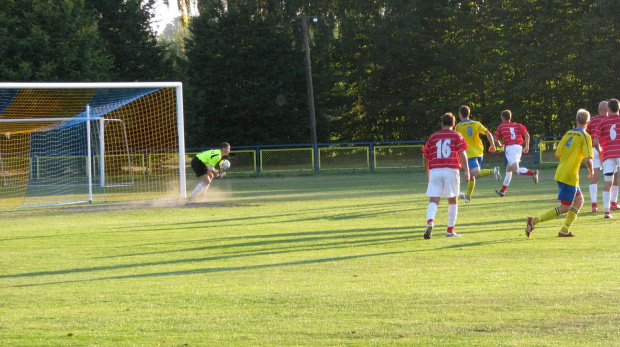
{"x": 485, "y": 172}
{"x": 549, "y": 215}
{"x": 470, "y": 187}
{"x": 570, "y": 218}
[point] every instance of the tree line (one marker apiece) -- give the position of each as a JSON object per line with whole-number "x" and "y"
{"x": 382, "y": 70}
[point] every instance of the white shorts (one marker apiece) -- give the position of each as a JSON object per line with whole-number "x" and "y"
{"x": 513, "y": 153}
{"x": 443, "y": 182}
{"x": 596, "y": 159}
{"x": 610, "y": 165}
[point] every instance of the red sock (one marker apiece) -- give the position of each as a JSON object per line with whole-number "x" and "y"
{"x": 429, "y": 221}
{"x": 450, "y": 230}
{"x": 503, "y": 190}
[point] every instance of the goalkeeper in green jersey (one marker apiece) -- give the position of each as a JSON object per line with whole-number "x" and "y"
{"x": 206, "y": 166}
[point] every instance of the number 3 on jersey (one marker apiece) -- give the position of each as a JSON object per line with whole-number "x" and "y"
{"x": 443, "y": 148}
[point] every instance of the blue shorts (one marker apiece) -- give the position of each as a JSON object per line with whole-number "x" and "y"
{"x": 474, "y": 162}
{"x": 567, "y": 193}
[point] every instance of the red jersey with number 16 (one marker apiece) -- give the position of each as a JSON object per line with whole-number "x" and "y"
{"x": 442, "y": 149}
{"x": 511, "y": 132}
{"x": 608, "y": 133}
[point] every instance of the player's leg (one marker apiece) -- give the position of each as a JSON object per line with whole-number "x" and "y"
{"x": 451, "y": 189}
{"x": 593, "y": 187}
{"x": 453, "y": 209}
{"x": 614, "y": 193}
{"x": 200, "y": 169}
{"x": 210, "y": 175}
{"x": 566, "y": 195}
{"x": 203, "y": 186}
{"x": 475, "y": 165}
{"x": 512, "y": 154}
{"x": 609, "y": 167}
{"x": 484, "y": 172}
{"x": 434, "y": 192}
{"x": 571, "y": 214}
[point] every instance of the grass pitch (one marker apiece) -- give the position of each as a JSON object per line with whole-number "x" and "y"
{"x": 315, "y": 260}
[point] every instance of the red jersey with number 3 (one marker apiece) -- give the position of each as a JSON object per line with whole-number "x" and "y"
{"x": 442, "y": 149}
{"x": 608, "y": 133}
{"x": 512, "y": 133}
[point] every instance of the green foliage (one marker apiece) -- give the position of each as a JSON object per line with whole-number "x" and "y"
{"x": 81, "y": 40}
{"x": 51, "y": 41}
{"x": 387, "y": 70}
{"x": 247, "y": 77}
{"x": 124, "y": 25}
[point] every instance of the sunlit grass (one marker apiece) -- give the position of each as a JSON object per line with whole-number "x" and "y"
{"x": 313, "y": 260}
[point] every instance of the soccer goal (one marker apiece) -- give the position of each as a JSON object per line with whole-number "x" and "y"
{"x": 63, "y": 143}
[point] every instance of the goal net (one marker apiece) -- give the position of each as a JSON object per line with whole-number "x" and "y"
{"x": 64, "y": 143}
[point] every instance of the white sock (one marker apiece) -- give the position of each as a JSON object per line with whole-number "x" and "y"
{"x": 606, "y": 201}
{"x": 522, "y": 171}
{"x": 452, "y": 212}
{"x": 197, "y": 190}
{"x": 507, "y": 178}
{"x": 614, "y": 193}
{"x": 431, "y": 211}
{"x": 593, "y": 192}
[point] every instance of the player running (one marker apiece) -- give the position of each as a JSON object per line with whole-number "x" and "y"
{"x": 607, "y": 136}
{"x": 575, "y": 147}
{"x": 597, "y": 162}
{"x": 444, "y": 152}
{"x": 471, "y": 131}
{"x": 514, "y": 136}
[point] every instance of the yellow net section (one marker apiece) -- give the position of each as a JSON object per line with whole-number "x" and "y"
{"x": 14, "y": 166}
{"x": 39, "y": 104}
{"x": 151, "y": 163}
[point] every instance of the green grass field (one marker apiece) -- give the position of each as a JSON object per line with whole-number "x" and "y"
{"x": 323, "y": 260}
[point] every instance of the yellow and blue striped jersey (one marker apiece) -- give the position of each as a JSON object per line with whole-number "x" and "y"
{"x": 575, "y": 145}
{"x": 471, "y": 131}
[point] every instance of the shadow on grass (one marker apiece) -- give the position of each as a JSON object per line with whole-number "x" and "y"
{"x": 397, "y": 237}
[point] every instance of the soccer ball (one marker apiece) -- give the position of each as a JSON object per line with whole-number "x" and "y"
{"x": 225, "y": 164}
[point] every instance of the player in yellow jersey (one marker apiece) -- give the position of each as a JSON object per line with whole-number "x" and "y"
{"x": 575, "y": 147}
{"x": 471, "y": 131}
{"x": 206, "y": 166}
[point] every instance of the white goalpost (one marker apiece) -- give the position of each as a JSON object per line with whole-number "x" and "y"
{"x": 65, "y": 143}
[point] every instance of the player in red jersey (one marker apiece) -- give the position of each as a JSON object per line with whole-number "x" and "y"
{"x": 608, "y": 136}
{"x": 597, "y": 162}
{"x": 444, "y": 153}
{"x": 514, "y": 136}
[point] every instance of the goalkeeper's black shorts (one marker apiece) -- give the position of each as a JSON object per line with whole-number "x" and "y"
{"x": 199, "y": 167}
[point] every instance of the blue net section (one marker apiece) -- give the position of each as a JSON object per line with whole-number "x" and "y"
{"x": 107, "y": 100}
{"x": 6, "y": 97}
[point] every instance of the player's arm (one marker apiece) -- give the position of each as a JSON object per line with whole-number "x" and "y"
{"x": 492, "y": 143}
{"x": 465, "y": 164}
{"x": 427, "y": 169}
{"x": 597, "y": 144}
{"x": 498, "y": 135}
{"x": 212, "y": 169}
{"x": 526, "y": 138}
{"x": 588, "y": 162}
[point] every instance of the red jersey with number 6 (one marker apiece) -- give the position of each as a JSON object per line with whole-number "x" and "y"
{"x": 511, "y": 132}
{"x": 608, "y": 133}
{"x": 442, "y": 149}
